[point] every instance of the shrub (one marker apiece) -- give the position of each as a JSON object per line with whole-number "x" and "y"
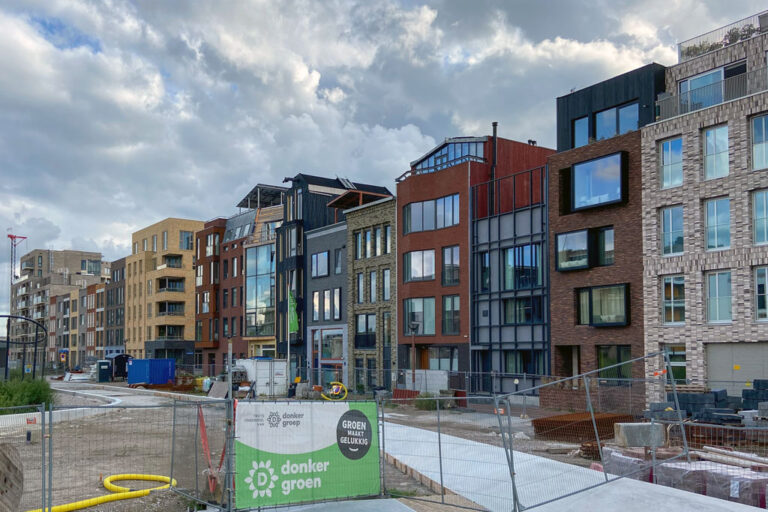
{"x": 16, "y": 392}
{"x": 426, "y": 402}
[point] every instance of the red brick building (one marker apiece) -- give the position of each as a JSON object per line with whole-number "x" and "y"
{"x": 433, "y": 244}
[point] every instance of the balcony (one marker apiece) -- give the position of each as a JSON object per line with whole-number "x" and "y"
{"x": 27, "y": 265}
{"x": 724, "y": 36}
{"x": 713, "y": 94}
{"x": 170, "y": 309}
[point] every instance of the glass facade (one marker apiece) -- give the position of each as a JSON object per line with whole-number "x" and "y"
{"x": 597, "y": 182}
{"x": 260, "y": 290}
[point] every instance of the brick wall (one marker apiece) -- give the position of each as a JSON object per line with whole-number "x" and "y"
{"x": 627, "y": 268}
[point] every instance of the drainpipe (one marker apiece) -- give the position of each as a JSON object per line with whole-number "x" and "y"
{"x": 491, "y": 195}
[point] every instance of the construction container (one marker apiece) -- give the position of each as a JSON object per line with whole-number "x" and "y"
{"x": 105, "y": 370}
{"x": 151, "y": 371}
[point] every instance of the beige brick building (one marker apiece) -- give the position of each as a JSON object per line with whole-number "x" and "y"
{"x": 160, "y": 291}
{"x": 705, "y": 183}
{"x": 373, "y": 355}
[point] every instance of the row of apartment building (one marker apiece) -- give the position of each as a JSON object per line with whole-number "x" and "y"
{"x": 646, "y": 228}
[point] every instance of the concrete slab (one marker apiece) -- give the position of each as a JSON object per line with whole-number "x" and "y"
{"x": 479, "y": 472}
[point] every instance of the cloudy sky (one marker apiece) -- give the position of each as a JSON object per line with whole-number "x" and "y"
{"x": 116, "y": 114}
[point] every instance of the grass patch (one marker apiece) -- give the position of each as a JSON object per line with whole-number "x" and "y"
{"x": 426, "y": 402}
{"x": 15, "y": 392}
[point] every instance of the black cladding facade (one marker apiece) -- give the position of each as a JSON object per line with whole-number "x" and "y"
{"x": 641, "y": 85}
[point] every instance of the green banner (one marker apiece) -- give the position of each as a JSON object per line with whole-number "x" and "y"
{"x": 295, "y": 452}
{"x": 293, "y": 317}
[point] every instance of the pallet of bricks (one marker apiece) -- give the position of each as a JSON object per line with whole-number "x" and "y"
{"x": 726, "y": 452}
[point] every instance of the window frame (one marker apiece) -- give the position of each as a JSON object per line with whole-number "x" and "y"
{"x": 408, "y": 266}
{"x": 718, "y": 297}
{"x": 757, "y": 294}
{"x": 661, "y": 225}
{"x": 406, "y": 322}
{"x": 704, "y": 153}
{"x": 715, "y": 202}
{"x": 590, "y": 290}
{"x": 672, "y": 301}
{"x": 663, "y": 166}
{"x": 764, "y": 118}
{"x": 623, "y": 163}
{"x": 315, "y": 264}
{"x": 763, "y": 193}
{"x": 455, "y": 254}
{"x": 574, "y": 132}
{"x": 455, "y": 302}
{"x": 557, "y": 250}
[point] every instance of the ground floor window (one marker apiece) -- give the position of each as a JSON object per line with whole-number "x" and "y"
{"x": 524, "y": 361}
{"x": 677, "y": 362}
{"x": 443, "y": 358}
{"x": 610, "y": 355}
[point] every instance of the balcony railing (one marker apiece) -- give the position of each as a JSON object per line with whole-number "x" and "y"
{"x": 170, "y": 313}
{"x": 170, "y": 337}
{"x": 171, "y": 289}
{"x": 713, "y": 94}
{"x": 27, "y": 265}
{"x": 724, "y": 36}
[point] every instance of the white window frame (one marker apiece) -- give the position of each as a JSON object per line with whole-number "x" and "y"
{"x": 712, "y": 172}
{"x": 674, "y": 304}
{"x": 715, "y": 202}
{"x": 719, "y": 297}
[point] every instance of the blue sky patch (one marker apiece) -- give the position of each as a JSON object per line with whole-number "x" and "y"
{"x": 63, "y": 36}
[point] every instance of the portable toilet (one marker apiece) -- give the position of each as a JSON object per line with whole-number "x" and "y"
{"x": 105, "y": 370}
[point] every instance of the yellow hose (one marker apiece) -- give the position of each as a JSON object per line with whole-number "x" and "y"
{"x": 119, "y": 492}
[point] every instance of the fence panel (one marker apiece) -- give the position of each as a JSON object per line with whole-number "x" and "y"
{"x": 561, "y": 442}
{"x": 447, "y": 450}
{"x": 21, "y": 457}
{"x": 93, "y": 443}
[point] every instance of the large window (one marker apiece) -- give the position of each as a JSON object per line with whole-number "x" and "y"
{"x": 326, "y": 304}
{"x": 718, "y": 224}
{"x": 522, "y": 267}
{"x": 365, "y": 324}
{"x": 673, "y": 299}
{"x": 760, "y": 216}
{"x": 603, "y": 305}
{"x": 761, "y": 293}
{"x": 385, "y": 284}
{"x": 760, "y": 142}
{"x": 186, "y": 241}
{"x": 451, "y": 315}
{"x": 580, "y": 132}
{"x": 672, "y": 230}
{"x": 337, "y": 303}
{"x": 419, "y": 316}
{"x": 377, "y": 241}
{"x": 315, "y": 306}
{"x": 434, "y": 214}
{"x": 597, "y": 182}
{"x": 260, "y": 290}
{"x": 360, "y": 288}
{"x": 443, "y": 358}
{"x": 372, "y": 286}
{"x": 450, "y": 265}
{"x": 716, "y": 152}
{"x": 523, "y": 310}
{"x": 358, "y": 245}
{"x": 338, "y": 255}
{"x": 610, "y": 355}
{"x": 719, "y": 297}
{"x": 320, "y": 264}
{"x": 616, "y": 121}
{"x": 573, "y": 250}
{"x": 387, "y": 239}
{"x": 671, "y": 160}
{"x": 419, "y": 265}
{"x": 524, "y": 361}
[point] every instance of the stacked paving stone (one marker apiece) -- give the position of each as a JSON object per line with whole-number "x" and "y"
{"x": 758, "y": 393}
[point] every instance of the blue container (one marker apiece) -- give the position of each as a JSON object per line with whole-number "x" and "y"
{"x": 151, "y": 371}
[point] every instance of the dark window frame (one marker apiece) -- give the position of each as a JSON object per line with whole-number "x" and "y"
{"x": 623, "y": 178}
{"x": 627, "y": 306}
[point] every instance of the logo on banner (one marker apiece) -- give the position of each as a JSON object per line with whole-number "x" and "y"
{"x": 261, "y": 479}
{"x": 353, "y": 434}
{"x": 274, "y": 419}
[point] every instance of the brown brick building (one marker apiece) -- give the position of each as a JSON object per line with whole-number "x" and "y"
{"x": 595, "y": 222}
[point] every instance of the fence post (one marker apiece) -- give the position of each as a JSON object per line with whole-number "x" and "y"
{"x": 173, "y": 438}
{"x": 41, "y": 408}
{"x": 50, "y": 455}
{"x": 197, "y": 468}
{"x": 440, "y": 452}
{"x": 383, "y": 451}
{"x": 594, "y": 425}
